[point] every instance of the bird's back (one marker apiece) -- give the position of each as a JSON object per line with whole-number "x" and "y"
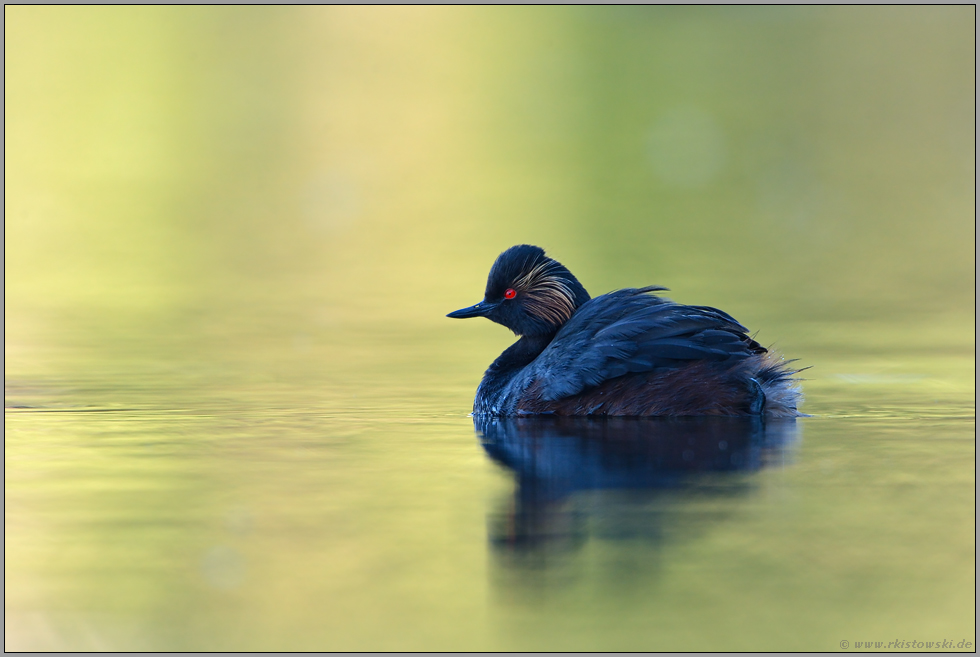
{"x": 630, "y": 352}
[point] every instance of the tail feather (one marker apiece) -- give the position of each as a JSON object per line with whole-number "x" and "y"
{"x": 781, "y": 387}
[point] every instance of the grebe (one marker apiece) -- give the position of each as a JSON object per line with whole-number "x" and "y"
{"x": 626, "y": 353}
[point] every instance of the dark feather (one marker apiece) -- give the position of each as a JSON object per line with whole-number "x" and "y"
{"x": 629, "y": 331}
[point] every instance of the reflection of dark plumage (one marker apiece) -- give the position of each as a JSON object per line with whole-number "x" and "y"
{"x": 626, "y": 353}
{"x": 554, "y": 459}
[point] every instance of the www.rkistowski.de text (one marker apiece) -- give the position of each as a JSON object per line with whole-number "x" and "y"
{"x": 906, "y": 645}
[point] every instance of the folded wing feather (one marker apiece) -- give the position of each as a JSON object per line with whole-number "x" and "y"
{"x": 629, "y": 331}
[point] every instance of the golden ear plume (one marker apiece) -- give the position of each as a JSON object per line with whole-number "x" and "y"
{"x": 547, "y": 296}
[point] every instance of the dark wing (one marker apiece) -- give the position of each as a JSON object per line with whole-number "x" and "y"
{"x": 631, "y": 331}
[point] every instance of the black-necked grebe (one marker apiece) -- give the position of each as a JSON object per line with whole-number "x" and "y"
{"x": 626, "y": 353}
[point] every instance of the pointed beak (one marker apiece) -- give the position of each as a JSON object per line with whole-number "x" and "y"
{"x": 479, "y": 310}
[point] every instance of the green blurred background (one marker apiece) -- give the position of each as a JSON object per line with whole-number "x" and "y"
{"x": 232, "y": 235}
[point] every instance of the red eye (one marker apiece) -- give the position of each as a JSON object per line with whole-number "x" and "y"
{"x": 510, "y": 293}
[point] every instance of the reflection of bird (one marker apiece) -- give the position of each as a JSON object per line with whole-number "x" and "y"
{"x": 554, "y": 459}
{"x": 626, "y": 353}
{"x": 622, "y": 452}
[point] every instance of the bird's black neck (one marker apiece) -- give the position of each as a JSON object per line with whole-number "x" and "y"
{"x": 513, "y": 360}
{"x": 520, "y": 353}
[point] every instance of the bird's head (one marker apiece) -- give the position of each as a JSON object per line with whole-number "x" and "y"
{"x": 528, "y": 292}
